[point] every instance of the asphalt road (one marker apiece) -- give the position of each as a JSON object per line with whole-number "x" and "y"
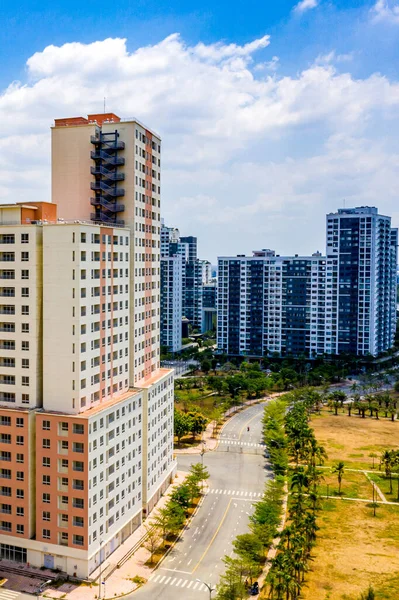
{"x": 237, "y": 477}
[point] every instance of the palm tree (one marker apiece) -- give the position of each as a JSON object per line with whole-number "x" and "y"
{"x": 339, "y": 469}
{"x": 387, "y": 461}
{"x": 300, "y": 480}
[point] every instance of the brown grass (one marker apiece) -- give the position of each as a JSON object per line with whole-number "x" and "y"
{"x": 353, "y": 439}
{"x": 354, "y": 549}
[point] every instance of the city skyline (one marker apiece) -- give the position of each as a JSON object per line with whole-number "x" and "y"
{"x": 302, "y": 114}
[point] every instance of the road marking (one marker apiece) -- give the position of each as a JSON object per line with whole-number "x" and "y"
{"x": 189, "y": 562}
{"x": 214, "y": 536}
{"x": 196, "y": 585}
{"x": 179, "y": 582}
{"x": 162, "y": 578}
{"x": 190, "y": 584}
{"x": 173, "y": 580}
{"x": 184, "y": 583}
{"x": 168, "y": 579}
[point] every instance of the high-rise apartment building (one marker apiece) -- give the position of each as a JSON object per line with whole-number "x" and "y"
{"x": 344, "y": 302}
{"x": 361, "y": 281}
{"x": 86, "y": 412}
{"x": 271, "y": 304}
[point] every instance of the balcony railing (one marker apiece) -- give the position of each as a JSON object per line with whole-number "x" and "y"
{"x": 107, "y": 205}
{"x": 100, "y": 186}
{"x": 107, "y": 158}
{"x": 111, "y": 144}
{"x": 103, "y": 218}
{"x": 111, "y": 175}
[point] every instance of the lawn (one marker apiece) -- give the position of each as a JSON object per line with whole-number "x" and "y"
{"x": 354, "y": 549}
{"x": 353, "y": 439}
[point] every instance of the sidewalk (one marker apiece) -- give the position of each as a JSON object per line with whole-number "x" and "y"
{"x": 210, "y": 440}
{"x": 120, "y": 581}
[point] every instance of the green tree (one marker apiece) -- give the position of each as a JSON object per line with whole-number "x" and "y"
{"x": 152, "y": 541}
{"x": 182, "y": 495}
{"x": 182, "y": 424}
{"x": 197, "y": 422}
{"x": 339, "y": 470}
{"x": 248, "y": 546}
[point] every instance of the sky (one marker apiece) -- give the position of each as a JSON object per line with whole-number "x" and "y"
{"x": 271, "y": 113}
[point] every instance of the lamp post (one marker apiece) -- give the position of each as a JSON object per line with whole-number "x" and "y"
{"x": 209, "y": 586}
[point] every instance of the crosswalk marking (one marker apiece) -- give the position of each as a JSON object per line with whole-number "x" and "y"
{"x": 181, "y": 583}
{"x": 8, "y": 593}
{"x": 235, "y": 493}
{"x": 238, "y": 443}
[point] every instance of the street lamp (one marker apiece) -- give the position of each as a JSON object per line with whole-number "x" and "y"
{"x": 209, "y": 586}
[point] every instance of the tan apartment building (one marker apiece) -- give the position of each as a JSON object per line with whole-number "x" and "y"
{"x": 86, "y": 413}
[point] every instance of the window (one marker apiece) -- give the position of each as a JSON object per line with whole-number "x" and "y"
{"x": 78, "y": 428}
{"x": 5, "y": 421}
{"x": 64, "y": 463}
{"x": 64, "y": 500}
{"x": 20, "y": 475}
{"x": 78, "y": 465}
{"x": 20, "y": 511}
{"x": 46, "y": 534}
{"x": 20, "y": 493}
{"x": 5, "y": 438}
{"x": 64, "y": 426}
{"x": 24, "y": 238}
{"x": 78, "y": 503}
{"x": 46, "y": 461}
{"x": 24, "y": 256}
{"x": 25, "y": 327}
{"x": 64, "y": 518}
{"x": 20, "y": 440}
{"x": 64, "y": 445}
{"x": 25, "y": 292}
{"x": 46, "y": 515}
{"x": 25, "y": 345}
{"x": 5, "y": 525}
{"x": 20, "y": 528}
{"x": 78, "y": 521}
{"x": 46, "y": 443}
{"x": 25, "y": 274}
{"x": 82, "y": 238}
{"x": 25, "y": 310}
{"x": 78, "y": 540}
{"x": 25, "y": 398}
{"x": 46, "y": 498}
{"x": 20, "y": 421}
{"x": 64, "y": 481}
{"x": 46, "y": 425}
{"x": 20, "y": 458}
{"x": 78, "y": 484}
{"x": 78, "y": 447}
{"x": 46, "y": 480}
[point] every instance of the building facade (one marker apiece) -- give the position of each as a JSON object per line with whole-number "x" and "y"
{"x": 86, "y": 412}
{"x": 342, "y": 302}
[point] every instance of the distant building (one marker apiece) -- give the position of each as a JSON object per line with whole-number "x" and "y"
{"x": 342, "y": 302}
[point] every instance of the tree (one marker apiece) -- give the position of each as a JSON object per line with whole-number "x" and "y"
{"x": 181, "y": 424}
{"x": 368, "y": 595}
{"x": 206, "y": 366}
{"x": 182, "y": 495}
{"x": 199, "y": 473}
{"x": 152, "y": 541}
{"x": 339, "y": 470}
{"x": 249, "y": 546}
{"x": 192, "y": 484}
{"x": 197, "y": 422}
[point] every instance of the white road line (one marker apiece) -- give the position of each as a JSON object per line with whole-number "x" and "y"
{"x": 195, "y": 585}
{"x": 201, "y": 588}
{"x": 184, "y": 583}
{"x": 160, "y": 580}
{"x": 189, "y": 562}
{"x": 190, "y": 584}
{"x": 173, "y": 580}
{"x": 167, "y": 580}
{"x": 179, "y": 582}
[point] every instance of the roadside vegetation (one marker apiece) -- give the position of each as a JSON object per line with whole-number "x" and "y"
{"x": 167, "y": 523}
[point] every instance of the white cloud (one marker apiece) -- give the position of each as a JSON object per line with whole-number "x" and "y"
{"x": 386, "y": 10}
{"x": 247, "y": 153}
{"x": 305, "y": 5}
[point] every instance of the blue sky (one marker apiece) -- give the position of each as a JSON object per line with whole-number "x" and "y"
{"x": 310, "y": 113}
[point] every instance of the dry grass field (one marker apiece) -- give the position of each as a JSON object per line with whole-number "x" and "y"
{"x": 354, "y": 548}
{"x": 353, "y": 439}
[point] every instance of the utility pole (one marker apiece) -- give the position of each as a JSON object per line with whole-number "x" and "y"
{"x": 209, "y": 586}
